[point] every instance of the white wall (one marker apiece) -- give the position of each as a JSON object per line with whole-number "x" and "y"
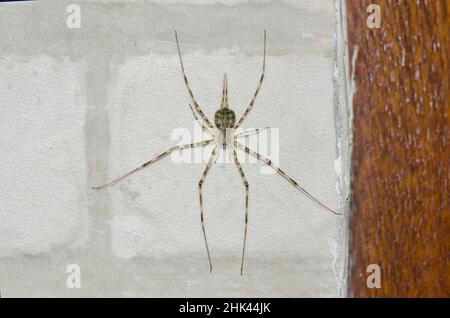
{"x": 81, "y": 106}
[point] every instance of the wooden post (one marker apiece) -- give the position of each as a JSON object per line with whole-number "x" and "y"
{"x": 400, "y": 207}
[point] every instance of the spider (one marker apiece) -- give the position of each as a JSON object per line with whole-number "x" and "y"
{"x": 224, "y": 135}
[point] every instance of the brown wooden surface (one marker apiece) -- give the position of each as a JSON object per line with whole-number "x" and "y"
{"x": 401, "y": 155}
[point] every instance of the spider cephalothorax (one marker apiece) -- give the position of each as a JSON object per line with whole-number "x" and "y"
{"x": 224, "y": 118}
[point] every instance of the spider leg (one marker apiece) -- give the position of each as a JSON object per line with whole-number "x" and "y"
{"x": 250, "y": 106}
{"x": 250, "y": 131}
{"x": 204, "y": 127}
{"x": 200, "y": 191}
{"x": 160, "y": 156}
{"x": 244, "y": 179}
{"x": 196, "y": 105}
{"x": 283, "y": 174}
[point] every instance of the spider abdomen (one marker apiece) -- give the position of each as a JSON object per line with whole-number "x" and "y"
{"x": 224, "y": 118}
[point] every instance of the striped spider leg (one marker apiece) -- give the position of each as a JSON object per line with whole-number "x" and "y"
{"x": 194, "y": 101}
{"x": 258, "y": 88}
{"x": 155, "y": 159}
{"x": 238, "y": 145}
{"x": 282, "y": 173}
{"x": 202, "y": 124}
{"x": 211, "y": 160}
{"x": 250, "y": 131}
{"x": 246, "y": 185}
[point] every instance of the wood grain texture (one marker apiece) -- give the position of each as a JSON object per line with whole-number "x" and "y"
{"x": 401, "y": 149}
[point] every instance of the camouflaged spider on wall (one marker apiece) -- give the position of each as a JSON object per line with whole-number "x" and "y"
{"x": 223, "y": 132}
